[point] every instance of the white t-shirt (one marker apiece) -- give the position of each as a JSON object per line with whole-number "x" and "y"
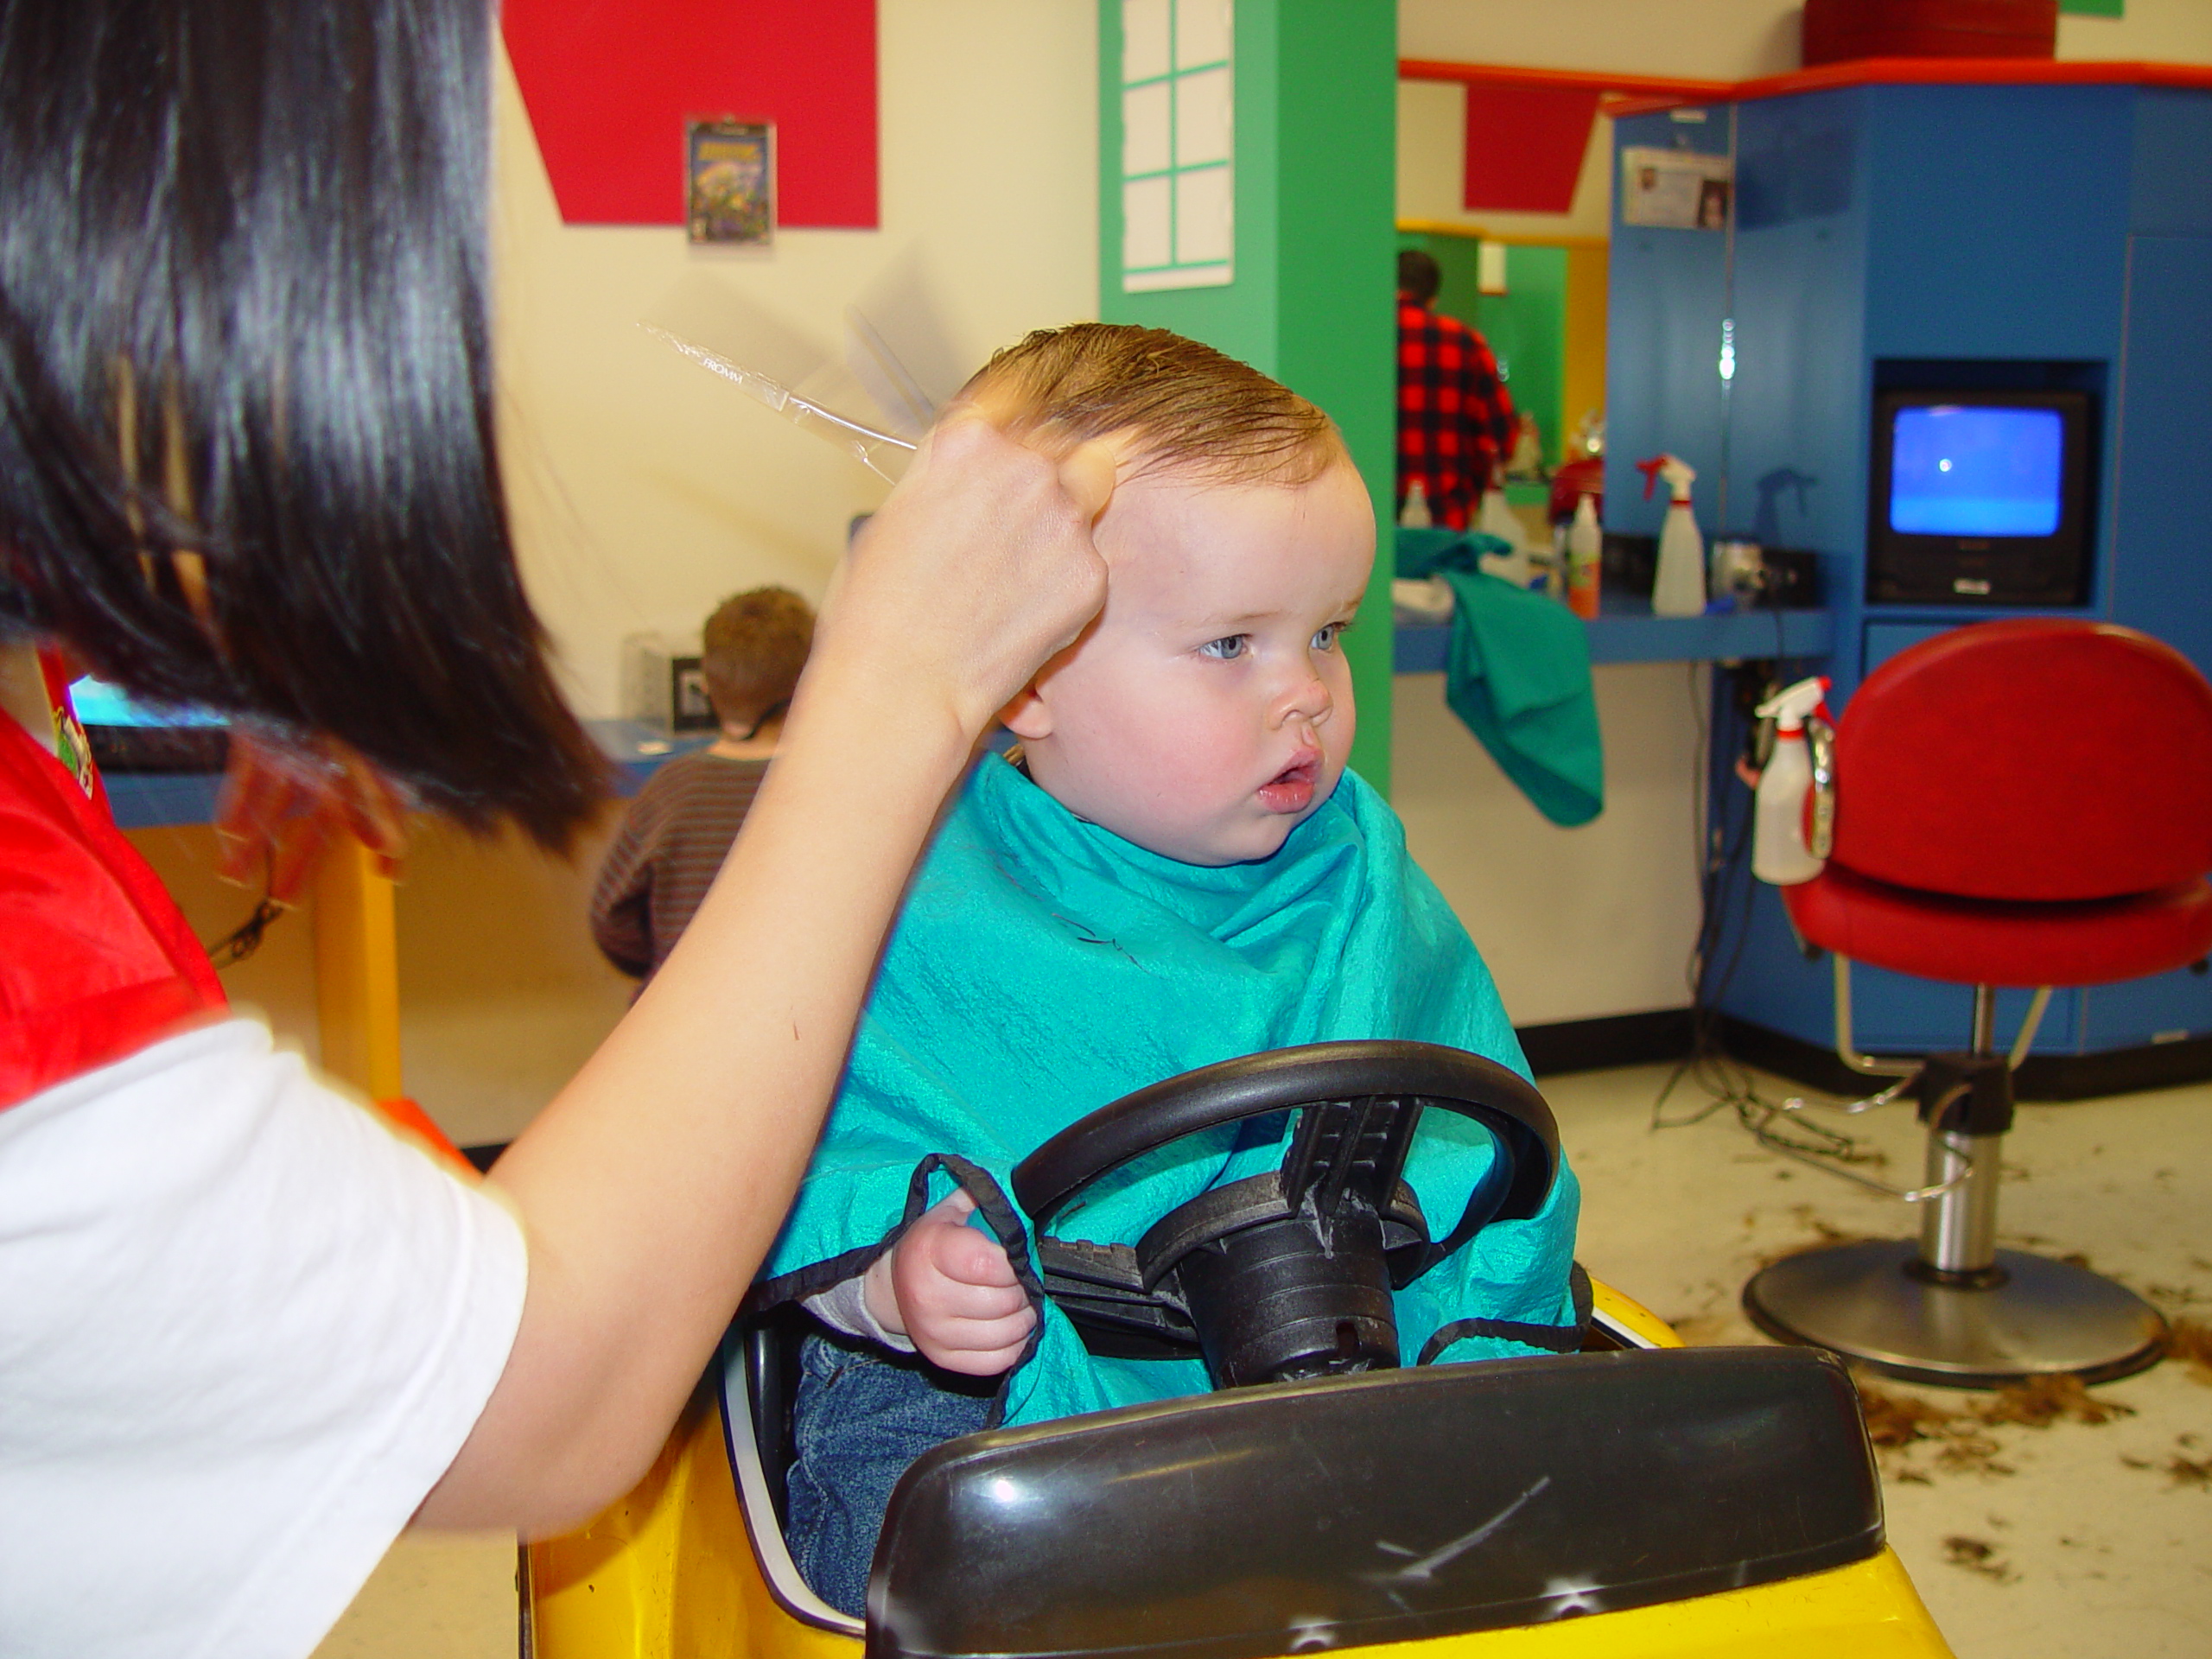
{"x": 244, "y": 1329}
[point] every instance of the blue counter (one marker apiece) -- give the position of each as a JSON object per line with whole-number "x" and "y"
{"x": 1626, "y": 631}
{"x": 148, "y": 800}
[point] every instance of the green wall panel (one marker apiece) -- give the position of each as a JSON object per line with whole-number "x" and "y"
{"x": 1316, "y": 134}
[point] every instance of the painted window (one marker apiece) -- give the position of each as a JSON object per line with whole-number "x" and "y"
{"x": 1178, "y": 117}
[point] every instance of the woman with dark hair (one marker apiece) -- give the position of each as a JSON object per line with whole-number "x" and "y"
{"x": 246, "y": 461}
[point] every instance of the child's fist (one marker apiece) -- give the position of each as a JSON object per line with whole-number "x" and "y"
{"x": 952, "y": 1290}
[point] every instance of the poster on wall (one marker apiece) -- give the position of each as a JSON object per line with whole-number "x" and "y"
{"x": 1675, "y": 189}
{"x": 729, "y": 170}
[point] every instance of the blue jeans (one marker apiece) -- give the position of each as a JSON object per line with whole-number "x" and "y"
{"x": 863, "y": 1417}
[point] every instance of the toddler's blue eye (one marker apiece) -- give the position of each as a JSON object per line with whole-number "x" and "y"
{"x": 1325, "y": 640}
{"x": 1228, "y": 648}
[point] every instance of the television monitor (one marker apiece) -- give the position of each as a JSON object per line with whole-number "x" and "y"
{"x": 1979, "y": 498}
{"x": 127, "y": 735}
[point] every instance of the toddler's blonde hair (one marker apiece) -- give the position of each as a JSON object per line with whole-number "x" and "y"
{"x": 1190, "y": 409}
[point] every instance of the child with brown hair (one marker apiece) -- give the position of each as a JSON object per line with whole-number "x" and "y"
{"x": 678, "y": 831}
{"x": 1174, "y": 868}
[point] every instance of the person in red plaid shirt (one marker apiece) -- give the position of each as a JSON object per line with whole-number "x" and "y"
{"x": 1455, "y": 420}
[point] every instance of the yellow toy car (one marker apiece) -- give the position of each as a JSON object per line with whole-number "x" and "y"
{"x": 1636, "y": 1499}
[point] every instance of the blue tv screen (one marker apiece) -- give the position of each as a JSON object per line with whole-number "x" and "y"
{"x": 1966, "y": 469}
{"x": 98, "y": 703}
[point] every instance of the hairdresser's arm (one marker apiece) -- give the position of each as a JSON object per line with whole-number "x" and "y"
{"x": 651, "y": 1187}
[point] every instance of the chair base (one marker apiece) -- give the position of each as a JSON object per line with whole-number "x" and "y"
{"x": 2042, "y": 1319}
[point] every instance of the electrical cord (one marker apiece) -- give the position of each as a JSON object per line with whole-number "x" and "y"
{"x": 1726, "y": 888}
{"x": 244, "y": 939}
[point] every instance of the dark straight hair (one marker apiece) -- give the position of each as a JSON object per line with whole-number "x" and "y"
{"x": 243, "y": 316}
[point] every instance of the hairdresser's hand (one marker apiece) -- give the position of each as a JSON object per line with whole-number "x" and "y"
{"x": 978, "y": 569}
{"x": 281, "y": 804}
{"x": 953, "y": 1291}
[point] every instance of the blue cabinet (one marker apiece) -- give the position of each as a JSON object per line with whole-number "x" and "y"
{"x": 1878, "y": 230}
{"x": 2162, "y": 516}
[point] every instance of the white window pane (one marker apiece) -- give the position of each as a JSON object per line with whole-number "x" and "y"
{"x": 1204, "y": 216}
{"x": 1204, "y": 117}
{"x": 1145, "y": 129}
{"x": 1490, "y": 267}
{"x": 1144, "y": 39}
{"x": 1148, "y": 224}
{"x": 1201, "y": 32}
{"x": 1146, "y": 282}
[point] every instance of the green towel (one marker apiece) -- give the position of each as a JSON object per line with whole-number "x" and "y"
{"x": 1518, "y": 674}
{"x": 1043, "y": 967}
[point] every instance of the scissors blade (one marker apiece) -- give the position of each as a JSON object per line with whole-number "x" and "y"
{"x": 855, "y": 438}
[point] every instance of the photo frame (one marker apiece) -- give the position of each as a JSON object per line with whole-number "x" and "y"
{"x": 1675, "y": 189}
{"x": 729, "y": 182}
{"x": 695, "y": 709}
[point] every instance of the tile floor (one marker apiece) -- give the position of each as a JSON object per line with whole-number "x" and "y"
{"x": 2072, "y": 1541}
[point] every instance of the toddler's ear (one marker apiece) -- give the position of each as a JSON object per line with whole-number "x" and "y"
{"x": 1028, "y": 717}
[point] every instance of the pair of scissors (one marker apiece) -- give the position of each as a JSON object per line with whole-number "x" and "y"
{"x": 866, "y": 444}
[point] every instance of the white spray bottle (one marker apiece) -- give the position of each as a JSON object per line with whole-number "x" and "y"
{"x": 1779, "y": 853}
{"x": 1498, "y": 519}
{"x": 1679, "y": 587}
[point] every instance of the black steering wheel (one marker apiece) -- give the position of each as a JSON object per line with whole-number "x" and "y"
{"x": 1289, "y": 1274}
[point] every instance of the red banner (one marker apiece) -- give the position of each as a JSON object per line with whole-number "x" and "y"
{"x": 1525, "y": 146}
{"x": 610, "y": 83}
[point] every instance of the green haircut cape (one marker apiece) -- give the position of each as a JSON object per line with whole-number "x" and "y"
{"x": 1043, "y": 967}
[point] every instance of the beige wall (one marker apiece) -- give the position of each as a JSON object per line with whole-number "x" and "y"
{"x": 645, "y": 489}
{"x": 1432, "y": 169}
{"x": 2153, "y": 31}
{"x": 1574, "y": 924}
{"x": 276, "y": 982}
{"x": 502, "y": 994}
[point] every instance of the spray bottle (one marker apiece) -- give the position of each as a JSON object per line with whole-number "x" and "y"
{"x": 1585, "y": 542}
{"x": 1679, "y": 589}
{"x": 1779, "y": 853}
{"x": 1498, "y": 519}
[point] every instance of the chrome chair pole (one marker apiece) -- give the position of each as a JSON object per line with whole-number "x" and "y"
{"x": 1958, "y": 1228}
{"x": 1953, "y": 1308}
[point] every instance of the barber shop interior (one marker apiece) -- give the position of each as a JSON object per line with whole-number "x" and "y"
{"x": 1577, "y": 1022}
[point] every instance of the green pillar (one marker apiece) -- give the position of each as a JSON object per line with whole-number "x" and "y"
{"x": 1305, "y": 291}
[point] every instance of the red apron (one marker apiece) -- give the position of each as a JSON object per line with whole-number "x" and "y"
{"x": 96, "y": 960}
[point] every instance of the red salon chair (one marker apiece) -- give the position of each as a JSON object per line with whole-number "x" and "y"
{"x": 2023, "y": 803}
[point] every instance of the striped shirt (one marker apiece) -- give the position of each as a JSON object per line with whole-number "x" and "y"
{"x": 670, "y": 847}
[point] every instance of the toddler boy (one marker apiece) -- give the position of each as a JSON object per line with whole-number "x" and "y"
{"x": 1176, "y": 868}
{"x": 679, "y": 829}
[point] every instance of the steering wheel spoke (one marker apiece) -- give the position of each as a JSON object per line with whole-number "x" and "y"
{"x": 1100, "y": 1289}
{"x": 1288, "y": 1274}
{"x": 1349, "y": 1153}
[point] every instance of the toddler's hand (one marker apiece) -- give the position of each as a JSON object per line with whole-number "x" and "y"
{"x": 953, "y": 1291}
